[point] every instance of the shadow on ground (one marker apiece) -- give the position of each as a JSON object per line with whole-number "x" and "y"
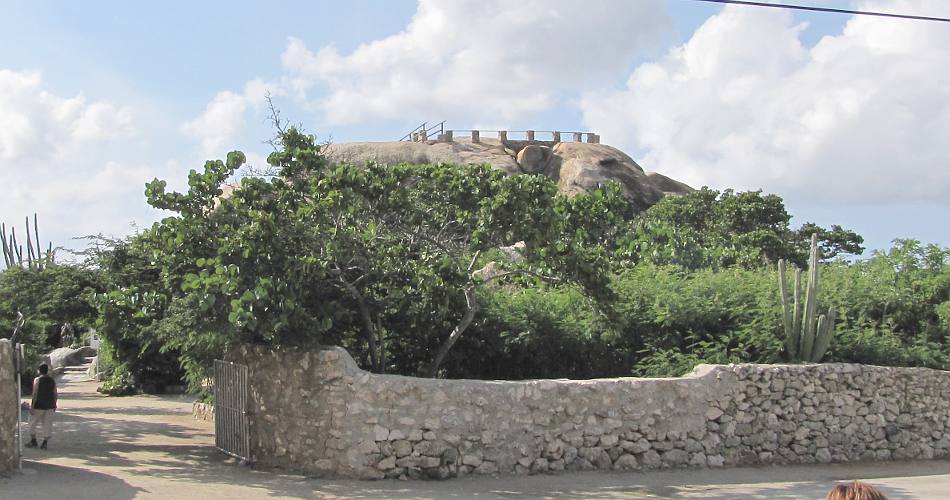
{"x": 35, "y": 483}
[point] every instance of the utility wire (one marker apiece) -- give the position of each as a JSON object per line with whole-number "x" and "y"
{"x": 825, "y": 9}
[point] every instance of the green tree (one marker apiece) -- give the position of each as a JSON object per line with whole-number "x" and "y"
{"x": 381, "y": 260}
{"x": 49, "y": 297}
{"x": 711, "y": 229}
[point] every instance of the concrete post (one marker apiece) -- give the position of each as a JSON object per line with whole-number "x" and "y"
{"x": 557, "y": 137}
{"x": 503, "y": 135}
{"x": 578, "y": 137}
{"x": 596, "y": 138}
{"x": 423, "y": 136}
{"x": 591, "y": 138}
{"x": 529, "y": 135}
{"x": 415, "y": 137}
{"x": 475, "y": 137}
{"x": 446, "y": 136}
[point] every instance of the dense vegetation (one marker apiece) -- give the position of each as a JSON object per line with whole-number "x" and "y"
{"x": 413, "y": 270}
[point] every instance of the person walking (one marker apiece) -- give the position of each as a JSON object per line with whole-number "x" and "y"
{"x": 43, "y": 407}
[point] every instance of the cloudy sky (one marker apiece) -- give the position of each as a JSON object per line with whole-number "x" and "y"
{"x": 846, "y": 118}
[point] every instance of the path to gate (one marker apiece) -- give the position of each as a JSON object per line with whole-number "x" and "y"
{"x": 150, "y": 447}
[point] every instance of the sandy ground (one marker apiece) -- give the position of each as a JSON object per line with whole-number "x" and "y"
{"x": 149, "y": 447}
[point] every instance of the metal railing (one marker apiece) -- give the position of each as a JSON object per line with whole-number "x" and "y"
{"x": 438, "y": 132}
{"x": 424, "y": 130}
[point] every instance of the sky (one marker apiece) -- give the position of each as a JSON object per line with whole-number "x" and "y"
{"x": 845, "y": 117}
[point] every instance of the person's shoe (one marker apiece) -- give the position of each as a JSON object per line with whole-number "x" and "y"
{"x": 43, "y": 446}
{"x": 31, "y": 444}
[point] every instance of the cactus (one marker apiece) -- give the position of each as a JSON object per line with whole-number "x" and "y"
{"x": 13, "y": 252}
{"x": 806, "y": 338}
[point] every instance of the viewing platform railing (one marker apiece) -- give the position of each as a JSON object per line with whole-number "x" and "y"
{"x": 423, "y": 133}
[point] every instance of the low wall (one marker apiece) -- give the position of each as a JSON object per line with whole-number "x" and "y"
{"x": 202, "y": 411}
{"x": 318, "y": 413}
{"x": 9, "y": 406}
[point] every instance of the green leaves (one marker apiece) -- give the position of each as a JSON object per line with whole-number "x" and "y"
{"x": 712, "y": 229}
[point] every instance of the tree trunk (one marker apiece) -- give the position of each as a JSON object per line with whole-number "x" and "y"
{"x": 368, "y": 329}
{"x": 472, "y": 307}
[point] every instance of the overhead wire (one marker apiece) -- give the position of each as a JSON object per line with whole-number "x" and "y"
{"x": 827, "y": 9}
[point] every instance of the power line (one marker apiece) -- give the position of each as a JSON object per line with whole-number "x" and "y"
{"x": 825, "y": 9}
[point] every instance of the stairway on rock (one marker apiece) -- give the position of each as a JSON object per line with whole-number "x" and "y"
{"x": 80, "y": 372}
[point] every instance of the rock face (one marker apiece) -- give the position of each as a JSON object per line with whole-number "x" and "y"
{"x": 332, "y": 419}
{"x": 9, "y": 406}
{"x": 67, "y": 356}
{"x": 576, "y": 167}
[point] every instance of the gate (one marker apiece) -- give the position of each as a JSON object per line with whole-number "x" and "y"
{"x": 230, "y": 409}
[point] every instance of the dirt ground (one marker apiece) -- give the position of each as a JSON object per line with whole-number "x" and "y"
{"x": 149, "y": 447}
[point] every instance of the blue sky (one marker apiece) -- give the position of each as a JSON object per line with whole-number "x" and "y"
{"x": 845, "y": 118}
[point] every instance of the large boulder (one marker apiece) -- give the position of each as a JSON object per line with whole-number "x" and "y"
{"x": 67, "y": 356}
{"x": 488, "y": 151}
{"x": 584, "y": 167}
{"x": 576, "y": 167}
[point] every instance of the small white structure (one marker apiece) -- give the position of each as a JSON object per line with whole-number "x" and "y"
{"x": 93, "y": 339}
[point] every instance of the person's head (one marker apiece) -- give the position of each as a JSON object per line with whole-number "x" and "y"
{"x": 44, "y": 369}
{"x": 855, "y": 491}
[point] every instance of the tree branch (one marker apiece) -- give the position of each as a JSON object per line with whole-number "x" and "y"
{"x": 471, "y": 301}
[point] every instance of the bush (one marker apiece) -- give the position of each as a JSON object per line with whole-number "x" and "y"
{"x": 121, "y": 383}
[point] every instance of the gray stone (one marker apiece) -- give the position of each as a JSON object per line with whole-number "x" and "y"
{"x": 576, "y": 167}
{"x": 651, "y": 459}
{"x": 626, "y": 462}
{"x": 402, "y": 448}
{"x": 675, "y": 457}
{"x": 472, "y": 460}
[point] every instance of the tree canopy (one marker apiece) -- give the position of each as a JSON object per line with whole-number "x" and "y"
{"x": 712, "y": 229}
{"x": 355, "y": 255}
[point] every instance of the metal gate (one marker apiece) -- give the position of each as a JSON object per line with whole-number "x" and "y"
{"x": 230, "y": 409}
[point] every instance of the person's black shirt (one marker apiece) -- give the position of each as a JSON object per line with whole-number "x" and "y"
{"x": 45, "y": 397}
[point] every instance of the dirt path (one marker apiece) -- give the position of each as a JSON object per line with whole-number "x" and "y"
{"x": 149, "y": 447}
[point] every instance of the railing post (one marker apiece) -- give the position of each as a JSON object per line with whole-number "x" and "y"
{"x": 557, "y": 137}
{"x": 529, "y": 135}
{"x": 578, "y": 137}
{"x": 503, "y": 135}
{"x": 475, "y": 137}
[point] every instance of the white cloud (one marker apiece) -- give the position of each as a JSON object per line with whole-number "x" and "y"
{"x": 80, "y": 164}
{"x": 80, "y": 198}
{"x": 218, "y": 129}
{"x": 220, "y": 124}
{"x": 861, "y": 116}
{"x": 476, "y": 60}
{"x": 36, "y": 123}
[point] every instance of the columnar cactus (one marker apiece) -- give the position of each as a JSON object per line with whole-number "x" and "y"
{"x": 806, "y": 339}
{"x": 13, "y": 252}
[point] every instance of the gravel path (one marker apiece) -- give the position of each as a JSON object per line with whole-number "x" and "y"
{"x": 149, "y": 447}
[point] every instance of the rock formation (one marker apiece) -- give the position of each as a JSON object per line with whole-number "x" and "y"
{"x": 575, "y": 166}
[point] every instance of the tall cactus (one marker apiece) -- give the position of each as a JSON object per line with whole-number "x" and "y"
{"x": 806, "y": 338}
{"x": 13, "y": 252}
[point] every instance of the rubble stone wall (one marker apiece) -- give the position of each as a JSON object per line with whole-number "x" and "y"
{"x": 202, "y": 411}
{"x": 9, "y": 406}
{"x": 318, "y": 413}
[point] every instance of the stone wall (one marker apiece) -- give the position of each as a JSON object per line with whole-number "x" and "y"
{"x": 202, "y": 411}
{"x": 318, "y": 413}
{"x": 9, "y": 406}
